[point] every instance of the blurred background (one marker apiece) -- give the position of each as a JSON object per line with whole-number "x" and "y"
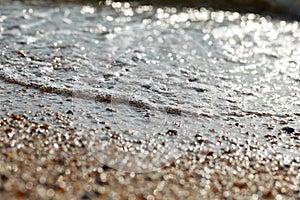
{"x": 288, "y": 9}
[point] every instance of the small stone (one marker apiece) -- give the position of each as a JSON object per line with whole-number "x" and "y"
{"x": 110, "y": 110}
{"x": 171, "y": 132}
{"x": 106, "y": 167}
{"x": 192, "y": 79}
{"x": 4, "y": 178}
{"x": 146, "y": 86}
{"x": 200, "y": 90}
{"x": 85, "y": 197}
{"x": 283, "y": 122}
{"x": 70, "y": 112}
{"x": 270, "y": 127}
{"x": 16, "y": 117}
{"x": 288, "y": 129}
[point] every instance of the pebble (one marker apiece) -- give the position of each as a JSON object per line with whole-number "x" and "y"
{"x": 70, "y": 112}
{"x": 288, "y": 129}
{"x": 171, "y": 132}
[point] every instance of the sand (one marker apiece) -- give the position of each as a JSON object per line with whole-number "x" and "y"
{"x": 45, "y": 156}
{"x": 49, "y": 160}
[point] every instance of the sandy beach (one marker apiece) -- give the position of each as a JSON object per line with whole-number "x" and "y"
{"x": 50, "y": 161}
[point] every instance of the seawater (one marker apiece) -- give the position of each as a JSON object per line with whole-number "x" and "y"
{"x": 153, "y": 74}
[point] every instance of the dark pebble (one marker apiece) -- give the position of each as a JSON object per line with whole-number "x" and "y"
{"x": 85, "y": 197}
{"x": 146, "y": 86}
{"x": 171, "y": 132}
{"x": 193, "y": 79}
{"x": 106, "y": 167}
{"x": 210, "y": 153}
{"x": 4, "y": 178}
{"x": 70, "y": 112}
{"x": 268, "y": 136}
{"x": 288, "y": 129}
{"x": 200, "y": 89}
{"x": 110, "y": 110}
{"x": 147, "y": 115}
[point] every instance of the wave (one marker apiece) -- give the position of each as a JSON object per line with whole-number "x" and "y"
{"x": 286, "y": 9}
{"x": 282, "y": 8}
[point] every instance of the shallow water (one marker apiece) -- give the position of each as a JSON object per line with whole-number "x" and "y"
{"x": 151, "y": 79}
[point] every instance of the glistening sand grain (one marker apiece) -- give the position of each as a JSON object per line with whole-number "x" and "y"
{"x": 50, "y": 161}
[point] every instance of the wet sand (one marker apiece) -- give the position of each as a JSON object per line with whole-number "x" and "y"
{"x": 50, "y": 161}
